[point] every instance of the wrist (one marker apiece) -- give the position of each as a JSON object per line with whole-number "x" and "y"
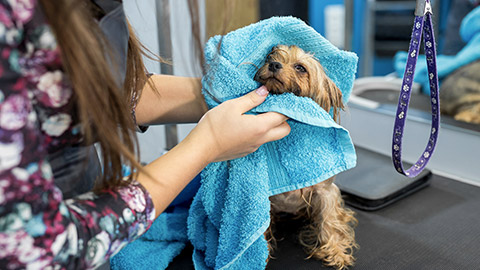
{"x": 201, "y": 146}
{"x": 168, "y": 175}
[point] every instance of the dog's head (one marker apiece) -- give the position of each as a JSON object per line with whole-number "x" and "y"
{"x": 290, "y": 69}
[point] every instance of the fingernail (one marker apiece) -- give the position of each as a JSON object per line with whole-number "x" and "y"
{"x": 262, "y": 91}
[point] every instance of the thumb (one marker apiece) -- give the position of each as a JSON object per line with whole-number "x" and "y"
{"x": 252, "y": 99}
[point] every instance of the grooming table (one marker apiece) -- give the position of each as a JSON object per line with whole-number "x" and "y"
{"x": 374, "y": 183}
{"x": 437, "y": 227}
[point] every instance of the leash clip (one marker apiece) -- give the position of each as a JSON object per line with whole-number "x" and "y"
{"x": 423, "y": 7}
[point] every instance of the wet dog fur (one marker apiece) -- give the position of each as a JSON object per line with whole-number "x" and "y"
{"x": 329, "y": 231}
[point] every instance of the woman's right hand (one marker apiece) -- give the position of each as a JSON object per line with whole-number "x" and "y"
{"x": 228, "y": 133}
{"x": 225, "y": 132}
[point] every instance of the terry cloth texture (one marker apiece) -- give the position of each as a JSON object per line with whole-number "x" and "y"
{"x": 446, "y": 64}
{"x": 165, "y": 239}
{"x": 231, "y": 209}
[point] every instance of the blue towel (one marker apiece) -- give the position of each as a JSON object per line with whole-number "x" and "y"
{"x": 446, "y": 64}
{"x": 231, "y": 210}
{"x": 165, "y": 239}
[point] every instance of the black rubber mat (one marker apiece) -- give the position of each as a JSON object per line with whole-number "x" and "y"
{"x": 437, "y": 227}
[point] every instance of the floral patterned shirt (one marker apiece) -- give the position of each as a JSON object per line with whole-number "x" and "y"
{"x": 38, "y": 227}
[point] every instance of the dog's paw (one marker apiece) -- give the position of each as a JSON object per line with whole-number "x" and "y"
{"x": 334, "y": 256}
{"x": 468, "y": 116}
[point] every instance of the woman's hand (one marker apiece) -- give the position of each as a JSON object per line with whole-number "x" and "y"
{"x": 224, "y": 133}
{"x": 228, "y": 133}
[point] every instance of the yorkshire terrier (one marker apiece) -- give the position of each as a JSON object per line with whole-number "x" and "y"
{"x": 329, "y": 234}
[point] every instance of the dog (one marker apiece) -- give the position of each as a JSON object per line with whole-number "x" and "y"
{"x": 329, "y": 231}
{"x": 460, "y": 94}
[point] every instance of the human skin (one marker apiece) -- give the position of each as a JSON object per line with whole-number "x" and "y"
{"x": 222, "y": 133}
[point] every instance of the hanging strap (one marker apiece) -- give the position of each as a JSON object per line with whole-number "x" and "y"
{"x": 423, "y": 22}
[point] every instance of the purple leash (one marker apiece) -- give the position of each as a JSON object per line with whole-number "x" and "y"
{"x": 423, "y": 21}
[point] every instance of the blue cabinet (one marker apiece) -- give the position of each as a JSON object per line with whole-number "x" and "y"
{"x": 374, "y": 30}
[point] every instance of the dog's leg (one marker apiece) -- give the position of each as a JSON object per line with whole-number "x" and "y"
{"x": 270, "y": 237}
{"x": 470, "y": 115}
{"x": 330, "y": 235}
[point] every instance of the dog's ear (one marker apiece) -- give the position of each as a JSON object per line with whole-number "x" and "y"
{"x": 336, "y": 98}
{"x": 330, "y": 97}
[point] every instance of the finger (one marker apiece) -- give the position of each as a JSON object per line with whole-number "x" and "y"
{"x": 252, "y": 99}
{"x": 277, "y": 133}
{"x": 271, "y": 119}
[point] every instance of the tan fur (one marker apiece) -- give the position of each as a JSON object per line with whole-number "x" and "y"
{"x": 313, "y": 83}
{"x": 460, "y": 94}
{"x": 100, "y": 105}
{"x": 329, "y": 234}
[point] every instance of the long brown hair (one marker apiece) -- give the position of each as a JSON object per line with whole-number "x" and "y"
{"x": 103, "y": 109}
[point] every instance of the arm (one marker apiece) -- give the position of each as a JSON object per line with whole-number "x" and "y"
{"x": 37, "y": 227}
{"x": 223, "y": 133}
{"x": 174, "y": 100}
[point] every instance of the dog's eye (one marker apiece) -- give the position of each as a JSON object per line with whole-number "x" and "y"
{"x": 300, "y": 68}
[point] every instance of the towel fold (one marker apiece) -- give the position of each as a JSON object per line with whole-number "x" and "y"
{"x": 165, "y": 239}
{"x": 446, "y": 64}
{"x": 231, "y": 210}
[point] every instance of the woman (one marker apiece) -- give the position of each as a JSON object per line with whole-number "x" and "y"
{"x": 59, "y": 93}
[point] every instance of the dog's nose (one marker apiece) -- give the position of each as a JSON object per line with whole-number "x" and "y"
{"x": 274, "y": 66}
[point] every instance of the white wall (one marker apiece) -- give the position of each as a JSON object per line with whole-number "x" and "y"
{"x": 142, "y": 16}
{"x": 184, "y": 59}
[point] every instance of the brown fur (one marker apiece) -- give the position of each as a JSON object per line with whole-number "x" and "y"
{"x": 460, "y": 94}
{"x": 100, "y": 104}
{"x": 312, "y": 83}
{"x": 329, "y": 234}
{"x": 103, "y": 109}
